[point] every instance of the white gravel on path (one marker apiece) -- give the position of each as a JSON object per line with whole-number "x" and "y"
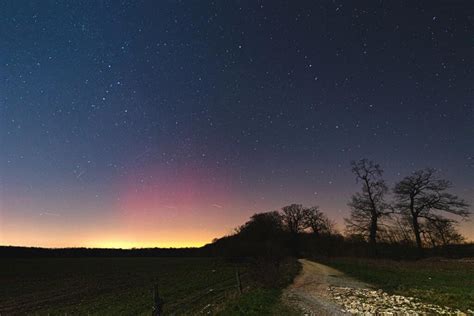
{"x": 321, "y": 290}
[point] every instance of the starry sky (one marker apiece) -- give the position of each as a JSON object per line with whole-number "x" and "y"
{"x": 169, "y": 123}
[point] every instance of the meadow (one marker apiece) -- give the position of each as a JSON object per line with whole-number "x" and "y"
{"x": 445, "y": 282}
{"x": 113, "y": 286}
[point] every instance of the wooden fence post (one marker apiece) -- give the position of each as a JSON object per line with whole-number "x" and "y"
{"x": 239, "y": 284}
{"x": 157, "y": 302}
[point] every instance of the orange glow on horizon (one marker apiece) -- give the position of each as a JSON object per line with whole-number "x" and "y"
{"x": 110, "y": 240}
{"x": 189, "y": 208}
{"x": 129, "y": 237}
{"x": 125, "y": 244}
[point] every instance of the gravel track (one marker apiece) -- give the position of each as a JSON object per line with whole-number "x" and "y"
{"x": 324, "y": 291}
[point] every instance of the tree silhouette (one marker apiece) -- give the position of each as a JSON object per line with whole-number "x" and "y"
{"x": 368, "y": 206}
{"x": 421, "y": 195}
{"x": 293, "y": 217}
{"x": 317, "y": 221}
{"x": 440, "y": 231}
{"x": 262, "y": 226}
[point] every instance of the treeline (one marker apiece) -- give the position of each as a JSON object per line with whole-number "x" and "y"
{"x": 35, "y": 252}
{"x": 407, "y": 221}
{"x": 416, "y": 214}
{"x": 275, "y": 235}
{"x": 269, "y": 239}
{"x": 413, "y": 219}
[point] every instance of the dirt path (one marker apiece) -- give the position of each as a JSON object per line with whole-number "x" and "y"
{"x": 310, "y": 290}
{"x": 322, "y": 290}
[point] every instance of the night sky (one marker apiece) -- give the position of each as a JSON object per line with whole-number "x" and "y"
{"x": 169, "y": 123}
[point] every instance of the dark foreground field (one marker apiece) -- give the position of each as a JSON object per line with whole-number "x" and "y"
{"x": 439, "y": 281}
{"x": 106, "y": 286}
{"x": 191, "y": 286}
{"x": 123, "y": 286}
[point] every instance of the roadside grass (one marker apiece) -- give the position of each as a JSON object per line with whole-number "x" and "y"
{"x": 259, "y": 302}
{"x": 442, "y": 282}
{"x": 264, "y": 300}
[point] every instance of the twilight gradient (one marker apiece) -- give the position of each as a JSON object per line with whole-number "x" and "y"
{"x": 169, "y": 123}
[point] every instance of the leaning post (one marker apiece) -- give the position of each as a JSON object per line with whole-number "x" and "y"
{"x": 239, "y": 284}
{"x": 157, "y": 302}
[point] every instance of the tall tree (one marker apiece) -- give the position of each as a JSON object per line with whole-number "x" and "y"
{"x": 368, "y": 206}
{"x": 317, "y": 221}
{"x": 293, "y": 217}
{"x": 422, "y": 195}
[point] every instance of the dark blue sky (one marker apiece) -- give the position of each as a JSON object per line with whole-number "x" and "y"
{"x": 248, "y": 105}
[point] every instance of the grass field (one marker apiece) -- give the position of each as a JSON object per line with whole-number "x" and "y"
{"x": 123, "y": 286}
{"x": 259, "y": 302}
{"x": 113, "y": 286}
{"x": 264, "y": 300}
{"x": 443, "y": 282}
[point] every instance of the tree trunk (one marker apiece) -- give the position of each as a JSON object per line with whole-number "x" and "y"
{"x": 373, "y": 236}
{"x": 432, "y": 240}
{"x": 295, "y": 243}
{"x": 416, "y": 230}
{"x": 443, "y": 237}
{"x": 315, "y": 231}
{"x": 416, "y": 226}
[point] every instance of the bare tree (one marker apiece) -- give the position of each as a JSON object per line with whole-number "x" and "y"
{"x": 318, "y": 222}
{"x": 368, "y": 206}
{"x": 397, "y": 231}
{"x": 441, "y": 231}
{"x": 421, "y": 195}
{"x": 293, "y": 218}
